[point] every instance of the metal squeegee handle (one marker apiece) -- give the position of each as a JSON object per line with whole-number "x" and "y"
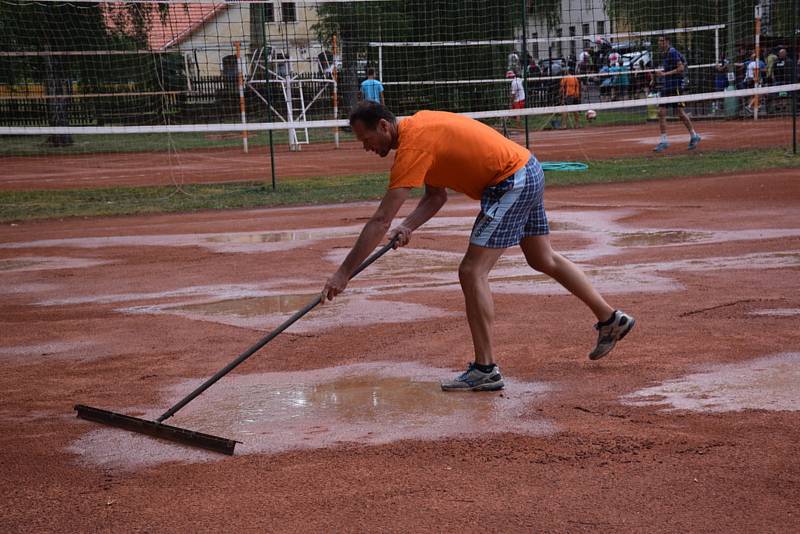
{"x": 269, "y": 337}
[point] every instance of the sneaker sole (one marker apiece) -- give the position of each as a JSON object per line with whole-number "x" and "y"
{"x": 489, "y": 386}
{"x": 631, "y": 324}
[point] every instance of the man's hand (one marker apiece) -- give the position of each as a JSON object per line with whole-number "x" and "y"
{"x": 660, "y": 74}
{"x": 335, "y": 285}
{"x": 402, "y": 233}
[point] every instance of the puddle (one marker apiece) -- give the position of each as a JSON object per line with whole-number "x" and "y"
{"x": 265, "y": 312}
{"x": 667, "y": 237}
{"x": 270, "y": 237}
{"x": 253, "y": 306}
{"x": 43, "y": 263}
{"x": 15, "y": 265}
{"x": 369, "y": 404}
{"x": 46, "y": 351}
{"x": 778, "y": 312}
{"x": 769, "y": 383}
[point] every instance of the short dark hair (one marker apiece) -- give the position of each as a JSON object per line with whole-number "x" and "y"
{"x": 370, "y": 113}
{"x": 370, "y": 72}
{"x": 665, "y": 37}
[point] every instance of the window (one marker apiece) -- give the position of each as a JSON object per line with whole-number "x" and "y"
{"x": 535, "y": 45}
{"x": 559, "y": 43}
{"x": 269, "y": 12}
{"x": 572, "y": 46}
{"x": 585, "y": 29}
{"x": 288, "y": 12}
{"x": 601, "y": 27}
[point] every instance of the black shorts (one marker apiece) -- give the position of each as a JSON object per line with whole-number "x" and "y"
{"x": 671, "y": 92}
{"x": 570, "y": 100}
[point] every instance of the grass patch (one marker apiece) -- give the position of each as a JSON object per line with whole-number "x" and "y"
{"x": 28, "y": 205}
{"x": 697, "y": 164}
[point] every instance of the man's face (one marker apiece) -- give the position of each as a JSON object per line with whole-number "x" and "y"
{"x": 378, "y": 140}
{"x": 782, "y": 53}
{"x": 663, "y": 44}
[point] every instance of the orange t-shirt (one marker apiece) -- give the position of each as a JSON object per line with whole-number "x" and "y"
{"x": 444, "y": 149}
{"x": 571, "y": 86}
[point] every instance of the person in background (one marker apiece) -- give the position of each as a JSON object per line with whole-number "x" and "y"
{"x": 672, "y": 76}
{"x": 570, "y": 91}
{"x": 517, "y": 94}
{"x": 755, "y": 65}
{"x": 720, "y": 81}
{"x": 372, "y": 89}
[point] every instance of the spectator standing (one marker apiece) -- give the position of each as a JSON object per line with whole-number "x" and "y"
{"x": 584, "y": 62}
{"x": 772, "y": 57}
{"x": 755, "y": 65}
{"x": 517, "y": 95}
{"x": 720, "y": 80}
{"x": 672, "y": 75}
{"x": 372, "y": 89}
{"x": 570, "y": 91}
{"x": 782, "y": 69}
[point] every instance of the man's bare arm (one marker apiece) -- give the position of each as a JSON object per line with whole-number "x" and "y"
{"x": 372, "y": 234}
{"x": 430, "y": 204}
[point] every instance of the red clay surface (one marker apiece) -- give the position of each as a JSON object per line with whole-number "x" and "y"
{"x": 608, "y": 466}
{"x": 232, "y": 165}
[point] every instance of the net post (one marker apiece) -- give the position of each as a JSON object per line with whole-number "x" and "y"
{"x": 240, "y": 83}
{"x": 335, "y": 76}
{"x": 525, "y": 64}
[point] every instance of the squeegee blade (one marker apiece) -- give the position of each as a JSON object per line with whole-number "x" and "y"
{"x": 159, "y": 430}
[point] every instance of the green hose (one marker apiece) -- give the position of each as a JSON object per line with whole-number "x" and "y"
{"x": 563, "y": 166}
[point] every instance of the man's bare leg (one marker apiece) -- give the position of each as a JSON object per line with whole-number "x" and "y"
{"x": 473, "y": 273}
{"x": 543, "y": 258}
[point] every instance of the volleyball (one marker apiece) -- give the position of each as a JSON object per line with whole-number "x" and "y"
{"x": 591, "y": 115}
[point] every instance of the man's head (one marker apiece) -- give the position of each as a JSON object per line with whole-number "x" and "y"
{"x": 511, "y": 74}
{"x": 370, "y": 72}
{"x": 375, "y": 126}
{"x": 664, "y": 42}
{"x": 782, "y": 53}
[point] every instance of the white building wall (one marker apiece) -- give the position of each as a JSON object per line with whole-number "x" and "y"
{"x": 586, "y": 19}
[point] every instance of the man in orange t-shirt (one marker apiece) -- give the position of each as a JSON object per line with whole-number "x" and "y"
{"x": 570, "y": 94}
{"x": 441, "y": 151}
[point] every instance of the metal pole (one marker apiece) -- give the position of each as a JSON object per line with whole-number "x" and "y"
{"x": 269, "y": 118}
{"x": 335, "y": 75}
{"x": 757, "y": 72}
{"x": 794, "y": 75}
{"x": 525, "y": 63}
{"x": 240, "y": 83}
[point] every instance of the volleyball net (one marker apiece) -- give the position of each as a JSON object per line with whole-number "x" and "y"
{"x": 188, "y": 77}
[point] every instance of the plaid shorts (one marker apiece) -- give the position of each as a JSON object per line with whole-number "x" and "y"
{"x": 512, "y": 209}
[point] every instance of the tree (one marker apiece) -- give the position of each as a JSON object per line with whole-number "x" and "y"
{"x": 52, "y": 30}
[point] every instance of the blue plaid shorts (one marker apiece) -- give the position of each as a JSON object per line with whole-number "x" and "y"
{"x": 512, "y": 209}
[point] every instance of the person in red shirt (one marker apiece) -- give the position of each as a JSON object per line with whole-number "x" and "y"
{"x": 440, "y": 151}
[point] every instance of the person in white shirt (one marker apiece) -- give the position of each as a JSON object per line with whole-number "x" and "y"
{"x": 517, "y": 96}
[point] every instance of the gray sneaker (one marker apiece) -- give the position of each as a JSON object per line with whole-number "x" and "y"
{"x": 694, "y": 141}
{"x": 661, "y": 147}
{"x": 611, "y": 331}
{"x": 473, "y": 379}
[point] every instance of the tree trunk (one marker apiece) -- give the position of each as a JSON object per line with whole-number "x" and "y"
{"x": 57, "y": 85}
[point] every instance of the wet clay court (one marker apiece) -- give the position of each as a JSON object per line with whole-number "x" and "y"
{"x": 691, "y": 424}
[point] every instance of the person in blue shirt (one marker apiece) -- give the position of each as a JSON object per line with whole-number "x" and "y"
{"x": 372, "y": 89}
{"x": 672, "y": 77}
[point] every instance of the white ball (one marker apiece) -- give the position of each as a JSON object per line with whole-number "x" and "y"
{"x": 591, "y": 115}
